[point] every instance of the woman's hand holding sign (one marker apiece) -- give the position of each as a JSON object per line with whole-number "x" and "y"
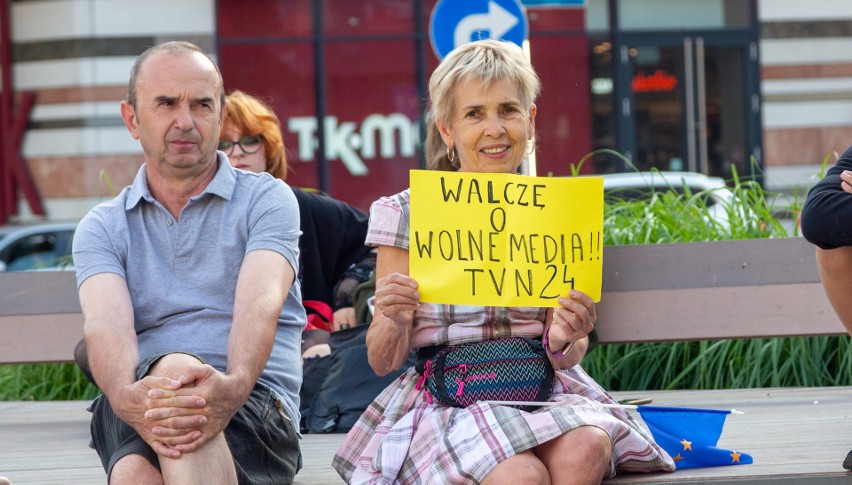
{"x": 397, "y": 298}
{"x": 569, "y": 323}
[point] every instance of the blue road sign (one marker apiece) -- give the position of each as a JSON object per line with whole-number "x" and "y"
{"x": 554, "y": 3}
{"x": 457, "y": 22}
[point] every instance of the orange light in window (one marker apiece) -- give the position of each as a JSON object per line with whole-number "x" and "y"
{"x": 658, "y": 81}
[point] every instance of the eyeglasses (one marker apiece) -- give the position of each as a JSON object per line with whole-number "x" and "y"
{"x": 249, "y": 144}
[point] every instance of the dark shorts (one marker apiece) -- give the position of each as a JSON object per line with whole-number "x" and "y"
{"x": 262, "y": 438}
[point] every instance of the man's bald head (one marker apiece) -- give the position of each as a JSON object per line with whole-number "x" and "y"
{"x": 173, "y": 47}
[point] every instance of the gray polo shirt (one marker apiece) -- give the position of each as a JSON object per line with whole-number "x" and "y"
{"x": 182, "y": 274}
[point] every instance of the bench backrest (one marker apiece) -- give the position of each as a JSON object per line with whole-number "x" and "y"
{"x": 40, "y": 319}
{"x": 713, "y": 290}
{"x": 665, "y": 292}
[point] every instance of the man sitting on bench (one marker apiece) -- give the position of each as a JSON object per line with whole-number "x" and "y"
{"x": 827, "y": 223}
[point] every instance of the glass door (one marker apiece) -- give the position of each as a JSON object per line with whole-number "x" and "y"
{"x": 658, "y": 88}
{"x": 687, "y": 105}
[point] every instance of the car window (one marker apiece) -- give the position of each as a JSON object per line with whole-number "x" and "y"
{"x": 37, "y": 251}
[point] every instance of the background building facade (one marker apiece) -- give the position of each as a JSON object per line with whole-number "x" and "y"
{"x": 761, "y": 86}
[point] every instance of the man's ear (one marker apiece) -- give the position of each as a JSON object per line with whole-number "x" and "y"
{"x": 128, "y": 114}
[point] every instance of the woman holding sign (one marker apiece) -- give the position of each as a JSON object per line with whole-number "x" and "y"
{"x": 438, "y": 423}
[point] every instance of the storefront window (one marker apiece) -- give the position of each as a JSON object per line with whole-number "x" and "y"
{"x": 603, "y": 122}
{"x": 670, "y": 86}
{"x": 641, "y": 15}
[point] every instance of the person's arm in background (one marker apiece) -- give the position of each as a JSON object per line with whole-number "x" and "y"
{"x": 397, "y": 298}
{"x": 333, "y": 239}
{"x": 835, "y": 271}
{"x": 344, "y": 291}
{"x": 355, "y": 262}
{"x": 827, "y": 222}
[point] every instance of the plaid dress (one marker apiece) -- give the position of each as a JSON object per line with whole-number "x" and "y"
{"x": 403, "y": 438}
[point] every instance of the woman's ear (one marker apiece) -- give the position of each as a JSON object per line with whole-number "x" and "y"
{"x": 533, "y": 111}
{"x": 444, "y": 130}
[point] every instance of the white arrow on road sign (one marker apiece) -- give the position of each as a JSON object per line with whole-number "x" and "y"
{"x": 497, "y": 22}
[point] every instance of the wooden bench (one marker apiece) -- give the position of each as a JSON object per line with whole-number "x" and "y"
{"x": 690, "y": 291}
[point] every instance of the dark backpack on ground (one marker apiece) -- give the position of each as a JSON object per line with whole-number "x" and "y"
{"x": 350, "y": 384}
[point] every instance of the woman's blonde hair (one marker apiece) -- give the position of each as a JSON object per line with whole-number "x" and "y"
{"x": 251, "y": 116}
{"x": 487, "y": 60}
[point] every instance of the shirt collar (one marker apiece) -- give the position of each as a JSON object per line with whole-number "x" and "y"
{"x": 222, "y": 185}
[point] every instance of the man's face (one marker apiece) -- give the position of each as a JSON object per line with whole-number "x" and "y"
{"x": 178, "y": 111}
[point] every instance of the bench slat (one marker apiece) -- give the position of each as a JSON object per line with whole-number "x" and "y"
{"x": 715, "y": 313}
{"x": 39, "y": 338}
{"x": 750, "y": 262}
{"x": 32, "y": 293}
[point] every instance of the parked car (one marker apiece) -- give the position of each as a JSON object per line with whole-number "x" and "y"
{"x": 641, "y": 185}
{"x": 38, "y": 247}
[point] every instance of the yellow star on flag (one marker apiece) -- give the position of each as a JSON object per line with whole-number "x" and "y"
{"x": 735, "y": 457}
{"x": 687, "y": 445}
{"x": 677, "y": 458}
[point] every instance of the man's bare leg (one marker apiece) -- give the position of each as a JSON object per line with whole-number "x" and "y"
{"x": 135, "y": 469}
{"x": 835, "y": 271}
{"x": 212, "y": 462}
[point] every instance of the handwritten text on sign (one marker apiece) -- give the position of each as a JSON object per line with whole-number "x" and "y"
{"x": 504, "y": 239}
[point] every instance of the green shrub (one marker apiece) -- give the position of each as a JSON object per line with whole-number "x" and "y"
{"x": 44, "y": 382}
{"x": 724, "y": 364}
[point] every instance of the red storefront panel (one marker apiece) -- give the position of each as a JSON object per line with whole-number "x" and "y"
{"x": 372, "y": 92}
{"x": 372, "y": 100}
{"x": 367, "y": 18}
{"x": 563, "y": 123}
{"x": 263, "y": 19}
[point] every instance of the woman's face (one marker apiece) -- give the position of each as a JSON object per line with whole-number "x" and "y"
{"x": 253, "y": 162}
{"x": 489, "y": 129}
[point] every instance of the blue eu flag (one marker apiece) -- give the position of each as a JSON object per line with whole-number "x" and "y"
{"x": 690, "y": 435}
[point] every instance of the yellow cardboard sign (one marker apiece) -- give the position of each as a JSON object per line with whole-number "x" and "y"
{"x": 503, "y": 239}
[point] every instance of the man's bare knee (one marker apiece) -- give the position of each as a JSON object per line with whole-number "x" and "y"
{"x": 172, "y": 365}
{"x": 135, "y": 469}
